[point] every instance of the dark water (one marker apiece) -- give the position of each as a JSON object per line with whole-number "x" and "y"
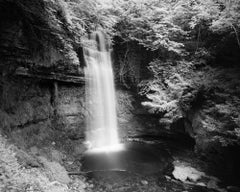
{"x": 136, "y": 158}
{"x": 144, "y": 166}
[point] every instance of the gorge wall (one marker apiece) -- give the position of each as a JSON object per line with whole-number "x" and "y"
{"x": 195, "y": 96}
{"x": 41, "y": 84}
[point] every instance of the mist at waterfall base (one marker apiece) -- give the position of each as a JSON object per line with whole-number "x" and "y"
{"x": 105, "y": 152}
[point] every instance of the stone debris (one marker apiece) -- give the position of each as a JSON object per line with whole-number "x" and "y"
{"x": 186, "y": 173}
{"x": 190, "y": 175}
{"x": 144, "y": 182}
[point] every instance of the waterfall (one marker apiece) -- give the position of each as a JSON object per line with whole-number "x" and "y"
{"x": 101, "y": 133}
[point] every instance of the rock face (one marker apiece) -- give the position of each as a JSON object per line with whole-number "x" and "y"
{"x": 24, "y": 102}
{"x": 127, "y": 121}
{"x": 133, "y": 119}
{"x": 215, "y": 124}
{"x": 34, "y": 36}
{"x": 71, "y": 111}
{"x": 32, "y": 109}
{"x": 41, "y": 82}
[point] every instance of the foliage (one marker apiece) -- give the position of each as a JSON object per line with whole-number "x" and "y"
{"x": 180, "y": 88}
{"x": 168, "y": 24}
{"x": 150, "y": 24}
{"x": 165, "y": 91}
{"x": 220, "y": 14}
{"x": 89, "y": 15}
{"x": 13, "y": 177}
{"x": 155, "y": 24}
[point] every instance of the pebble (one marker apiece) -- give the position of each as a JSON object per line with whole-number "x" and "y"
{"x": 144, "y": 182}
{"x": 167, "y": 177}
{"x": 201, "y": 184}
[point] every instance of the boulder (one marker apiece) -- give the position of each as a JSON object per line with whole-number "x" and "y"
{"x": 55, "y": 171}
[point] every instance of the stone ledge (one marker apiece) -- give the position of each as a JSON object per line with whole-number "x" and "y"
{"x": 24, "y": 72}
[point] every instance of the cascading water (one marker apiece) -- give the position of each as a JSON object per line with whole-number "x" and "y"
{"x": 106, "y": 152}
{"x": 102, "y": 133}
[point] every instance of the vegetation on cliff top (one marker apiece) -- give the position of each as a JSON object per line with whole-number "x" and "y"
{"x": 168, "y": 26}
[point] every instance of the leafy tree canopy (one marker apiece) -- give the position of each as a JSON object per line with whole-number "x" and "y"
{"x": 155, "y": 24}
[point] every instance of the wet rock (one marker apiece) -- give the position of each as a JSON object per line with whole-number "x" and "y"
{"x": 186, "y": 173}
{"x": 190, "y": 175}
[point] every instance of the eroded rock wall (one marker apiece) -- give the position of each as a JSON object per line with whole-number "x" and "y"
{"x": 71, "y": 110}
{"x": 33, "y": 106}
{"x": 41, "y": 87}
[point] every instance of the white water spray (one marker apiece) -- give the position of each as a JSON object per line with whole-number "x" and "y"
{"x": 102, "y": 133}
